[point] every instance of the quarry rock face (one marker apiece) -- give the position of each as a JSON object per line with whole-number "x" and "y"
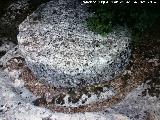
{"x": 60, "y": 49}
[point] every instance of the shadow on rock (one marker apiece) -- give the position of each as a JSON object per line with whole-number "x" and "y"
{"x": 12, "y": 13}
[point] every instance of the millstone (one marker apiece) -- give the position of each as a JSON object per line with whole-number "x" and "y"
{"x": 60, "y": 49}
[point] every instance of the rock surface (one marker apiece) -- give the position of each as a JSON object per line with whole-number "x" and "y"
{"x": 17, "y": 68}
{"x": 16, "y": 103}
{"x": 5, "y": 46}
{"x": 60, "y": 50}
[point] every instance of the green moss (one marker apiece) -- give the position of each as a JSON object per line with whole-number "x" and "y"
{"x": 138, "y": 18}
{"x": 100, "y": 26}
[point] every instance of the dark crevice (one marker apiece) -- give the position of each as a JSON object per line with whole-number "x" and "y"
{"x": 2, "y": 53}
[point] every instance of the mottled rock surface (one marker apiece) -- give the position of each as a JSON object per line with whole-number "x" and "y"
{"x": 16, "y": 102}
{"x": 59, "y": 48}
{"x": 5, "y": 46}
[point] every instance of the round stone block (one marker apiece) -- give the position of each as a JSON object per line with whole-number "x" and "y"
{"x": 60, "y": 49}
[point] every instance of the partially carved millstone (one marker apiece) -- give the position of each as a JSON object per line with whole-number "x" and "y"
{"x": 60, "y": 50}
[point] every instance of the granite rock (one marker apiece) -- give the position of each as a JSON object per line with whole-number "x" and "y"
{"x": 5, "y": 46}
{"x": 60, "y": 50}
{"x": 15, "y": 104}
{"x": 16, "y": 101}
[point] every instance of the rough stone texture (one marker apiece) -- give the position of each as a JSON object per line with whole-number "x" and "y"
{"x": 15, "y": 65}
{"x": 9, "y": 55}
{"x": 59, "y": 48}
{"x": 136, "y": 106}
{"x": 5, "y": 46}
{"x": 16, "y": 103}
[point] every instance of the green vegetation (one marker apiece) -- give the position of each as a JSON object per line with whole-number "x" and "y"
{"x": 138, "y": 18}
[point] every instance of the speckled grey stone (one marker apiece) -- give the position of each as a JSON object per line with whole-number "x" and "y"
{"x": 15, "y": 105}
{"x": 60, "y": 50}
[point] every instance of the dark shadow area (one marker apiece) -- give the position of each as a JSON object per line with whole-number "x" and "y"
{"x": 139, "y": 17}
{"x": 11, "y": 17}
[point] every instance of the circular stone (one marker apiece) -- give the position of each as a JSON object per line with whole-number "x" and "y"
{"x": 60, "y": 50}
